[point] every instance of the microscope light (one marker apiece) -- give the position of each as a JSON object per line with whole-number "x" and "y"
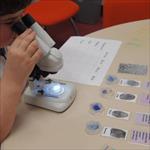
{"x": 53, "y": 89}
{"x": 56, "y": 88}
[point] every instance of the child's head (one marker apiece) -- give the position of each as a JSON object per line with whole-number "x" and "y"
{"x": 10, "y": 11}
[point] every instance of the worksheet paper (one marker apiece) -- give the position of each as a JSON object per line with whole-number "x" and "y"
{"x": 86, "y": 60}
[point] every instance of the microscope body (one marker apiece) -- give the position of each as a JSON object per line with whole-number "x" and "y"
{"x": 48, "y": 94}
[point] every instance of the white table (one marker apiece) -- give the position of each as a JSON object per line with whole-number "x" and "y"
{"x": 42, "y": 129}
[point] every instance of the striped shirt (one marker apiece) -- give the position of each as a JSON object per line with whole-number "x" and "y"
{"x": 2, "y": 60}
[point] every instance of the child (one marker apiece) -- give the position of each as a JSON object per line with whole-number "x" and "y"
{"x": 21, "y": 57}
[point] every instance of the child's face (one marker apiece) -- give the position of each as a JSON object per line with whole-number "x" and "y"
{"x": 6, "y": 34}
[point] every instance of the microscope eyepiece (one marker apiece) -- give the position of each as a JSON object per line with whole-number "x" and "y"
{"x": 28, "y": 20}
{"x": 18, "y": 27}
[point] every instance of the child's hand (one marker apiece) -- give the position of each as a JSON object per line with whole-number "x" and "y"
{"x": 22, "y": 56}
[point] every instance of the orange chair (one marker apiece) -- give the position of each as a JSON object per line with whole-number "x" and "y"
{"x": 51, "y": 12}
{"x": 122, "y": 11}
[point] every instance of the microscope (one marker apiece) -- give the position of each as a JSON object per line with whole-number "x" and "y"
{"x": 50, "y": 94}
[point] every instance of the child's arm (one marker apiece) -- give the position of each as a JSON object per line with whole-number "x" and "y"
{"x": 9, "y": 98}
{"x": 22, "y": 56}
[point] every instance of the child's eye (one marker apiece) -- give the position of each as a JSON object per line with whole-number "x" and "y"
{"x": 12, "y": 21}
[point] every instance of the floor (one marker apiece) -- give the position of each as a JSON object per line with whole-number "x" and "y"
{"x": 61, "y": 32}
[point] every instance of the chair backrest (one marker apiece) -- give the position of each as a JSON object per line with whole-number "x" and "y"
{"x": 50, "y": 12}
{"x": 122, "y": 11}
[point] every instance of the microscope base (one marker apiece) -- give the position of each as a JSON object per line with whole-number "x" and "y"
{"x": 52, "y": 102}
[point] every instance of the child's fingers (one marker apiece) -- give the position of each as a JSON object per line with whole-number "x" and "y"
{"x": 32, "y": 48}
{"x": 21, "y": 37}
{"x": 37, "y": 56}
{"x": 24, "y": 44}
{"x": 24, "y": 34}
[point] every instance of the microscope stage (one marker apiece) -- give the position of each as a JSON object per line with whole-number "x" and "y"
{"x": 56, "y": 96}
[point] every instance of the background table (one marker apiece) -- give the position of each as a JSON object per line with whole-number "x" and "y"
{"x": 42, "y": 129}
